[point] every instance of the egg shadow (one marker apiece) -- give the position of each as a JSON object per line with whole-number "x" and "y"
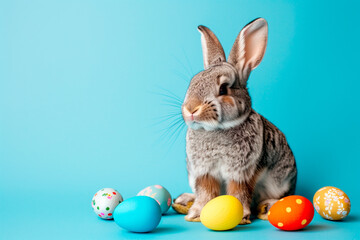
{"x": 244, "y": 228}
{"x": 238, "y": 228}
{"x": 168, "y": 229}
{"x": 316, "y": 227}
{"x": 159, "y": 230}
{"x": 350, "y": 218}
{"x": 311, "y": 228}
{"x": 106, "y": 220}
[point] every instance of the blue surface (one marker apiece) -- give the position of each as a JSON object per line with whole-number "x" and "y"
{"x": 84, "y": 98}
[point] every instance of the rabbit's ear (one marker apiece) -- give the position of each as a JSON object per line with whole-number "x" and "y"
{"x": 213, "y": 52}
{"x": 249, "y": 48}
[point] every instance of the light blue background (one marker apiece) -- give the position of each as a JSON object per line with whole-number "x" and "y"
{"x": 83, "y": 95}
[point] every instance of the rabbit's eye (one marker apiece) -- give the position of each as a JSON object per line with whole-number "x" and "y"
{"x": 223, "y": 89}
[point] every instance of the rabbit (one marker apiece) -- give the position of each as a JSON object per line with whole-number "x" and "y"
{"x": 230, "y": 148}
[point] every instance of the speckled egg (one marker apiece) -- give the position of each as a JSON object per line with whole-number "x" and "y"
{"x": 331, "y": 203}
{"x": 105, "y": 201}
{"x": 291, "y": 213}
{"x": 160, "y": 194}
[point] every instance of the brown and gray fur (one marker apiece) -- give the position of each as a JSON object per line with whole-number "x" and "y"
{"x": 231, "y": 148}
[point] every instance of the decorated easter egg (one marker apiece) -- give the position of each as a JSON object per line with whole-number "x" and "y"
{"x": 291, "y": 213}
{"x": 331, "y": 203}
{"x": 138, "y": 214}
{"x": 160, "y": 194}
{"x": 105, "y": 201}
{"x": 222, "y": 213}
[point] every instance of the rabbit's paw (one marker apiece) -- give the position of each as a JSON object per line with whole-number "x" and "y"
{"x": 245, "y": 220}
{"x": 263, "y": 211}
{"x": 183, "y": 203}
{"x": 194, "y": 214}
{"x": 263, "y": 208}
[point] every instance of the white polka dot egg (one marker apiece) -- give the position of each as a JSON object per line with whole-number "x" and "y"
{"x": 105, "y": 201}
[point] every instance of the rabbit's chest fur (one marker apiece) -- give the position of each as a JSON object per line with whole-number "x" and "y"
{"x": 231, "y": 154}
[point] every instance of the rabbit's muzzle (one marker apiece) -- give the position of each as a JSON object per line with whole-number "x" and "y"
{"x": 192, "y": 109}
{"x": 197, "y": 111}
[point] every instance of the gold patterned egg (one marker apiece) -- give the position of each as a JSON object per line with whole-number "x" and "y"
{"x": 331, "y": 203}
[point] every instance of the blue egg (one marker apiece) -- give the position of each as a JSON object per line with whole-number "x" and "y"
{"x": 138, "y": 214}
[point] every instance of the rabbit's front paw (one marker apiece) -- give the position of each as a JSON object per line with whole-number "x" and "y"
{"x": 245, "y": 220}
{"x": 194, "y": 214}
{"x": 263, "y": 208}
{"x": 263, "y": 212}
{"x": 183, "y": 203}
{"x": 185, "y": 199}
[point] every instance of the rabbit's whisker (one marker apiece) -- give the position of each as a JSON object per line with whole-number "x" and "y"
{"x": 179, "y": 130}
{"x": 171, "y": 93}
{"x": 183, "y": 65}
{"x": 170, "y": 99}
{"x": 166, "y": 131}
{"x": 171, "y": 105}
{"x": 165, "y": 118}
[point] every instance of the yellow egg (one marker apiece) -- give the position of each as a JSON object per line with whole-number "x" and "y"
{"x": 222, "y": 213}
{"x": 331, "y": 203}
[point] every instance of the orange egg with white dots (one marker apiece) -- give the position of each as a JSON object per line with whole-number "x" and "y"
{"x": 291, "y": 213}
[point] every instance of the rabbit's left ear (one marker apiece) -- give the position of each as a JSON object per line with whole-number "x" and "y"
{"x": 249, "y": 48}
{"x": 213, "y": 52}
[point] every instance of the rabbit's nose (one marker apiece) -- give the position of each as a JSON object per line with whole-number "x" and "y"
{"x": 193, "y": 105}
{"x": 192, "y": 109}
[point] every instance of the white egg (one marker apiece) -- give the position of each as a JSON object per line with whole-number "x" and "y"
{"x": 105, "y": 201}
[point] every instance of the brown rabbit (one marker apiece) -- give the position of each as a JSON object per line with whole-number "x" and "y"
{"x": 229, "y": 145}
